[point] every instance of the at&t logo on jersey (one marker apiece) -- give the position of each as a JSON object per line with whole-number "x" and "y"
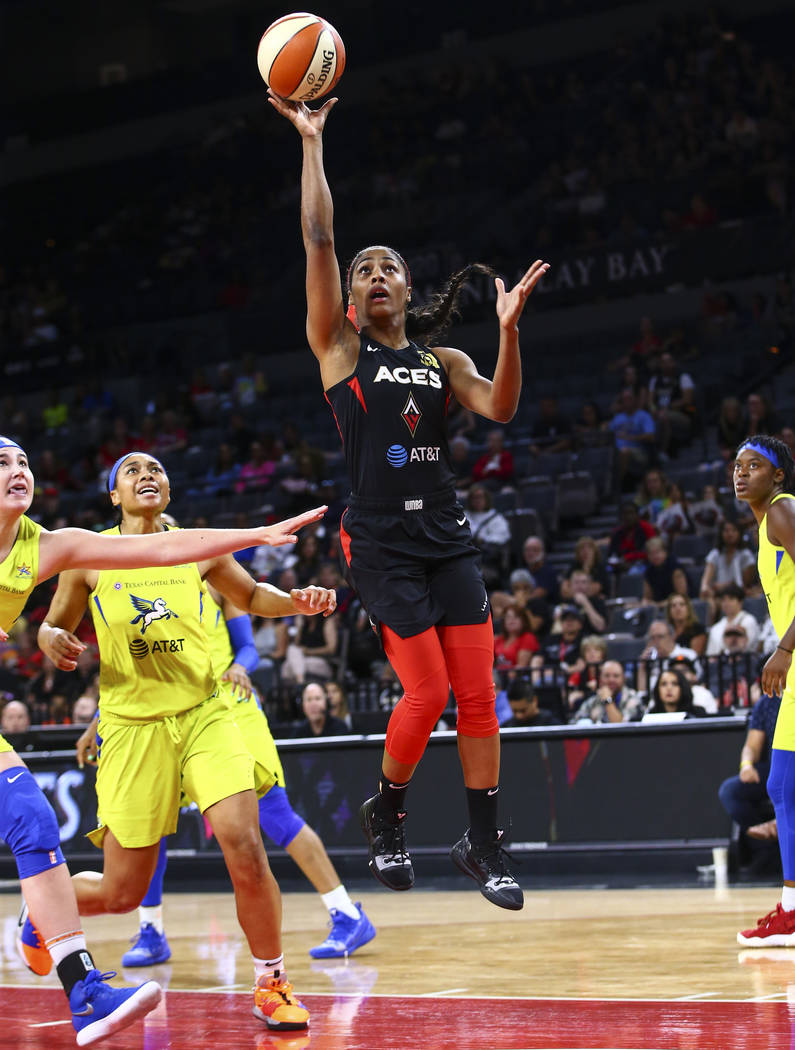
{"x": 139, "y": 649}
{"x": 397, "y": 456}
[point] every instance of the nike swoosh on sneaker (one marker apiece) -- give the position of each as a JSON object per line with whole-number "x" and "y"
{"x": 12, "y": 779}
{"x": 84, "y": 1013}
{"x": 492, "y": 791}
{"x": 463, "y": 521}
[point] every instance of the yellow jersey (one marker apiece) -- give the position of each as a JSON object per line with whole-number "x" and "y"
{"x": 153, "y": 648}
{"x": 777, "y": 573}
{"x": 221, "y": 652}
{"x": 19, "y": 572}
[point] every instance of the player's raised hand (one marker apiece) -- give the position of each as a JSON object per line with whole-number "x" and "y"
{"x": 282, "y": 532}
{"x": 313, "y": 600}
{"x": 308, "y": 122}
{"x": 511, "y": 303}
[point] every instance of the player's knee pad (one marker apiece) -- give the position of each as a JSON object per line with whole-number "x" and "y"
{"x": 28, "y": 823}
{"x": 413, "y": 721}
{"x": 277, "y": 818}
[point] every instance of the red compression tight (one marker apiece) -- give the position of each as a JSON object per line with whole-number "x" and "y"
{"x": 427, "y": 665}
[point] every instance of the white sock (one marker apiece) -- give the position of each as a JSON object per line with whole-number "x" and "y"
{"x": 788, "y": 898}
{"x": 267, "y": 967}
{"x": 65, "y": 944}
{"x": 340, "y": 900}
{"x": 153, "y": 915}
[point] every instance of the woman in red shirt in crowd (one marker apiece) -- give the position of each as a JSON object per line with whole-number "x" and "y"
{"x": 515, "y": 643}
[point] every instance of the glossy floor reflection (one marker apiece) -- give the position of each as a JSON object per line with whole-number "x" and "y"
{"x": 647, "y": 969}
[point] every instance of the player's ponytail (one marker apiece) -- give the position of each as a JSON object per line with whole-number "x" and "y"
{"x": 429, "y": 322}
{"x": 780, "y": 456}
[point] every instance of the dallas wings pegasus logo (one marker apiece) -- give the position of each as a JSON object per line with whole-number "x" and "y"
{"x": 149, "y": 612}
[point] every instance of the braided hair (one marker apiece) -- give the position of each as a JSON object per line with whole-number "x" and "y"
{"x": 780, "y": 452}
{"x": 431, "y": 321}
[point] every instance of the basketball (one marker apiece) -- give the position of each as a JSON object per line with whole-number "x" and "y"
{"x": 301, "y": 57}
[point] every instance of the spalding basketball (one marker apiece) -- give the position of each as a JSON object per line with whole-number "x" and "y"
{"x": 301, "y": 57}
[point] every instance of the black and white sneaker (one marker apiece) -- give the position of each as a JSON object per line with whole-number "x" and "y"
{"x": 487, "y": 866}
{"x": 389, "y": 858}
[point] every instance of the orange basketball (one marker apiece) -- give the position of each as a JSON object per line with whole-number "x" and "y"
{"x": 301, "y": 56}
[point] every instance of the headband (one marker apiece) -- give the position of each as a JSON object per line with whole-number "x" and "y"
{"x": 767, "y": 453}
{"x": 10, "y": 443}
{"x": 364, "y": 251}
{"x": 114, "y": 470}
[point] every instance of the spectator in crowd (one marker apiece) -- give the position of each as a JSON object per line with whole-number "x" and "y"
{"x": 706, "y": 512}
{"x": 676, "y": 520}
{"x": 563, "y": 646}
{"x": 461, "y": 462}
{"x": 552, "y": 431}
{"x": 701, "y": 695}
{"x": 495, "y": 466}
{"x": 729, "y": 563}
{"x": 588, "y": 556}
{"x": 744, "y": 795}
{"x": 15, "y": 717}
{"x": 306, "y": 558}
{"x": 652, "y": 496}
{"x": 311, "y": 649}
{"x": 731, "y": 604}
{"x": 270, "y": 641}
{"x": 688, "y": 630}
{"x": 663, "y": 574}
{"x": 365, "y": 655}
{"x": 613, "y": 700}
{"x": 171, "y": 434}
{"x": 578, "y": 589}
{"x": 593, "y": 650}
{"x": 83, "y": 709}
{"x": 527, "y": 713}
{"x": 628, "y": 539}
{"x": 672, "y": 693}
{"x": 545, "y": 578}
{"x": 317, "y": 720}
{"x": 588, "y": 428}
{"x": 515, "y": 642}
{"x": 731, "y": 426}
{"x": 221, "y": 478}
{"x": 634, "y": 433}
{"x": 490, "y": 531}
{"x": 257, "y": 472}
{"x": 759, "y": 415}
{"x": 735, "y": 669}
{"x": 672, "y": 404}
{"x": 659, "y": 653}
{"x": 338, "y": 703}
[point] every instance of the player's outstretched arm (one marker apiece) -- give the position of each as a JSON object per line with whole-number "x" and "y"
{"x": 496, "y": 398}
{"x": 80, "y": 548}
{"x": 261, "y": 599}
{"x": 327, "y": 328}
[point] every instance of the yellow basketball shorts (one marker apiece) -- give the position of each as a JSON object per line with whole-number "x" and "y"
{"x": 257, "y": 735}
{"x": 145, "y": 766}
{"x": 784, "y": 736}
{"x": 4, "y": 745}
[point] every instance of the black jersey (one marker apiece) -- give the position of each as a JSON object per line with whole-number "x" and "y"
{"x": 392, "y": 418}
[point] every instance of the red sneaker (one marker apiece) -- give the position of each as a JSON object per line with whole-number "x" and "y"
{"x": 774, "y": 930}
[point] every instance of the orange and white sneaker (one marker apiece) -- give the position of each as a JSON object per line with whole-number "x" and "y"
{"x": 277, "y": 1006}
{"x": 774, "y": 930}
{"x": 30, "y": 945}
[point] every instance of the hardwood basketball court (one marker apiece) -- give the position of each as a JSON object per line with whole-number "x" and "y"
{"x": 651, "y": 968}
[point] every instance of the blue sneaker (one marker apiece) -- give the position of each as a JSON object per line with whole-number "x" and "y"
{"x": 99, "y": 1010}
{"x": 345, "y": 936}
{"x": 148, "y": 948}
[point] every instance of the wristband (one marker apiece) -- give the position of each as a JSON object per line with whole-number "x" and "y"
{"x": 745, "y": 763}
{"x": 781, "y": 647}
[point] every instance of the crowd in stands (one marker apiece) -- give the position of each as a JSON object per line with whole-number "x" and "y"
{"x": 620, "y": 567}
